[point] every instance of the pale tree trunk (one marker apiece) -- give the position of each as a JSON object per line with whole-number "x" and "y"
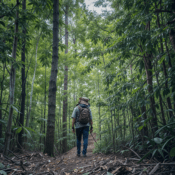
{"x": 23, "y": 95}
{"x": 12, "y": 86}
{"x": 112, "y": 132}
{"x": 65, "y": 84}
{"x": 33, "y": 80}
{"x": 49, "y": 146}
{"x": 44, "y": 130}
{"x": 99, "y": 108}
{"x": 124, "y": 124}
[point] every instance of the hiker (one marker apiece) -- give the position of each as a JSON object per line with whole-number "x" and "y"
{"x": 82, "y": 119}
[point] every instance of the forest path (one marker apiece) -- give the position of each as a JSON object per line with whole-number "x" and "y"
{"x": 37, "y": 163}
{"x": 72, "y": 164}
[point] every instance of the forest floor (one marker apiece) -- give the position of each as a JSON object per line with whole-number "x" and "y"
{"x": 37, "y": 163}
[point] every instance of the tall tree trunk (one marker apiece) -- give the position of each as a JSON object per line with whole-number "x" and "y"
{"x": 145, "y": 128}
{"x": 113, "y": 139}
{"x": 172, "y": 31}
{"x": 148, "y": 69}
{"x": 45, "y": 86}
{"x": 164, "y": 68}
{"x": 49, "y": 146}
{"x": 99, "y": 107}
{"x": 12, "y": 85}
{"x": 124, "y": 124}
{"x": 3, "y": 78}
{"x": 31, "y": 93}
{"x": 23, "y": 95}
{"x": 65, "y": 84}
{"x": 169, "y": 62}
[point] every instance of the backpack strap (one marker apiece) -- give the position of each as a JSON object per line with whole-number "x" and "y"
{"x": 80, "y": 108}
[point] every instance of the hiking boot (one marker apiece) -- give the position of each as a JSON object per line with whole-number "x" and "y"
{"x": 84, "y": 155}
{"x": 78, "y": 155}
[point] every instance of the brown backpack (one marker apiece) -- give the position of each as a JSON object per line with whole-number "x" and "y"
{"x": 84, "y": 115}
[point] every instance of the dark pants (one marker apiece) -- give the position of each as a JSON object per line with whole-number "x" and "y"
{"x": 85, "y": 132}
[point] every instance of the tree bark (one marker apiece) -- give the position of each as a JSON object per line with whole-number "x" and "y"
{"x": 44, "y": 130}
{"x": 172, "y": 31}
{"x": 49, "y": 146}
{"x": 31, "y": 93}
{"x": 65, "y": 84}
{"x": 23, "y": 78}
{"x": 164, "y": 70}
{"x": 12, "y": 85}
{"x": 99, "y": 107}
{"x": 3, "y": 78}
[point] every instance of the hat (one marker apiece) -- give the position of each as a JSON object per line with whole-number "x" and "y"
{"x": 84, "y": 100}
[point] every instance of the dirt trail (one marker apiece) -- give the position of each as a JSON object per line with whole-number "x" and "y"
{"x": 37, "y": 163}
{"x": 73, "y": 164}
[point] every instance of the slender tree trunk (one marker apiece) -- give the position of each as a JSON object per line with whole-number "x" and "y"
{"x": 160, "y": 101}
{"x": 124, "y": 133}
{"x": 49, "y": 147}
{"x": 23, "y": 95}
{"x": 132, "y": 126}
{"x": 3, "y": 78}
{"x": 164, "y": 69}
{"x": 12, "y": 86}
{"x": 172, "y": 31}
{"x": 65, "y": 84}
{"x": 99, "y": 107}
{"x": 44, "y": 131}
{"x": 148, "y": 69}
{"x": 145, "y": 128}
{"x": 113, "y": 139}
{"x": 115, "y": 124}
{"x": 169, "y": 61}
{"x": 31, "y": 93}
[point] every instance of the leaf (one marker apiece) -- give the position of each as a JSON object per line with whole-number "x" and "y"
{"x": 18, "y": 130}
{"x": 154, "y": 152}
{"x": 3, "y": 172}
{"x": 166, "y": 142}
{"x": 172, "y": 152}
{"x": 145, "y": 156}
{"x": 1, "y": 22}
{"x": 85, "y": 173}
{"x": 140, "y": 128}
{"x": 158, "y": 140}
{"x": 3, "y": 121}
{"x": 164, "y": 127}
{"x": 15, "y": 109}
{"x": 27, "y": 131}
{"x": 30, "y": 129}
{"x": 4, "y": 110}
{"x": 161, "y": 153}
{"x": 109, "y": 173}
{"x": 1, "y": 166}
{"x": 169, "y": 110}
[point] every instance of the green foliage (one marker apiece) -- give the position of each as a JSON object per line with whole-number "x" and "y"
{"x": 3, "y": 172}
{"x": 1, "y": 166}
{"x": 107, "y": 58}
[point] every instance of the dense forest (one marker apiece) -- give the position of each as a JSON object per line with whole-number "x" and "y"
{"x": 122, "y": 59}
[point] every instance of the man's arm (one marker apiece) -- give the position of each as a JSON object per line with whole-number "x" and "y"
{"x": 73, "y": 122}
{"x": 91, "y": 129}
{"x": 91, "y": 122}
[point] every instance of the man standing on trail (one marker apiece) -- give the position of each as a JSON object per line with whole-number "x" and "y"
{"x": 82, "y": 119}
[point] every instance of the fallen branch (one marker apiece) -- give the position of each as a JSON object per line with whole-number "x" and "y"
{"x": 133, "y": 152}
{"x": 154, "y": 169}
